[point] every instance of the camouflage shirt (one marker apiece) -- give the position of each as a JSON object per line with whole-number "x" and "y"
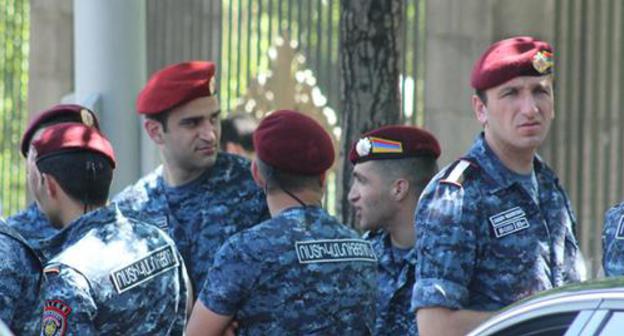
{"x": 32, "y": 224}
{"x": 202, "y": 214}
{"x": 20, "y": 271}
{"x": 112, "y": 275}
{"x": 613, "y": 241}
{"x": 300, "y": 273}
{"x": 483, "y": 242}
{"x": 395, "y": 279}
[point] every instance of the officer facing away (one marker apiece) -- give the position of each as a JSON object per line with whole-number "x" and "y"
{"x": 301, "y": 272}
{"x": 104, "y": 273}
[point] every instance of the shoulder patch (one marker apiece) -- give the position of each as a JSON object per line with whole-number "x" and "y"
{"x": 334, "y": 250}
{"x": 457, "y": 174}
{"x": 55, "y": 315}
{"x": 145, "y": 268}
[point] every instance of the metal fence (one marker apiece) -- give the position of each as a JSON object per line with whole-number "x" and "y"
{"x": 237, "y": 34}
{"x": 14, "y": 35}
{"x": 586, "y": 145}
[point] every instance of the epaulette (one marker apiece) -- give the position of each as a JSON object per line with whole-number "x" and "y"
{"x": 53, "y": 268}
{"x": 456, "y": 174}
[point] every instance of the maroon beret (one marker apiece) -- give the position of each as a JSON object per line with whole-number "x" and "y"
{"x": 176, "y": 85}
{"x": 293, "y": 143}
{"x": 394, "y": 142}
{"x": 57, "y": 114}
{"x": 510, "y": 58}
{"x": 72, "y": 137}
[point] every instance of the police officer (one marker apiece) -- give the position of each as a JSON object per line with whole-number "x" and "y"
{"x": 392, "y": 165}
{"x": 613, "y": 241}
{"x": 31, "y": 223}
{"x": 104, "y": 273}
{"x": 495, "y": 226}
{"x": 19, "y": 281}
{"x": 200, "y": 196}
{"x": 301, "y": 272}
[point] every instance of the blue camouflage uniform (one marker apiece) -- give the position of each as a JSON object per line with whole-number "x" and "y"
{"x": 485, "y": 241}
{"x": 300, "y": 273}
{"x": 395, "y": 279}
{"x": 32, "y": 224}
{"x": 107, "y": 274}
{"x": 202, "y": 214}
{"x": 20, "y": 271}
{"x": 613, "y": 241}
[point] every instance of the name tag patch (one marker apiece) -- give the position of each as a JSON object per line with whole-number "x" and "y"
{"x": 620, "y": 229}
{"x": 508, "y": 222}
{"x": 334, "y": 250}
{"x": 144, "y": 269}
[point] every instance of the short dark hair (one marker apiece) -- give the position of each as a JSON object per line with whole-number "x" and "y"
{"x": 277, "y": 179}
{"x": 417, "y": 170}
{"x": 239, "y": 129}
{"x": 482, "y": 95}
{"x": 161, "y": 117}
{"x": 84, "y": 176}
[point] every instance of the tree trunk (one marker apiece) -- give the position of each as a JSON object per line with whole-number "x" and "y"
{"x": 370, "y": 77}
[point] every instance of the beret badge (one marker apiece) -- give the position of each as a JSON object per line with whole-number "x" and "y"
{"x": 363, "y": 147}
{"x": 86, "y": 117}
{"x": 212, "y": 86}
{"x": 543, "y": 61}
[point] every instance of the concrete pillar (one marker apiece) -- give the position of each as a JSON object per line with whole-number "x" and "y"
{"x": 51, "y": 54}
{"x": 458, "y": 31}
{"x": 110, "y": 62}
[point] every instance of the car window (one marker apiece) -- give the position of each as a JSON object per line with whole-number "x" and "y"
{"x": 614, "y": 326}
{"x": 547, "y": 325}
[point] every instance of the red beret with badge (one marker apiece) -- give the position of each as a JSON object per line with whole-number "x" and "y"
{"x": 57, "y": 114}
{"x": 70, "y": 138}
{"x": 293, "y": 143}
{"x": 394, "y": 142}
{"x": 176, "y": 85}
{"x": 510, "y": 58}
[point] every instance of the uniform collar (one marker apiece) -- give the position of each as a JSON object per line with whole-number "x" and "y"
{"x": 486, "y": 159}
{"x": 77, "y": 229}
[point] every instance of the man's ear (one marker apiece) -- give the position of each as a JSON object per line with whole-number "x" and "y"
{"x": 50, "y": 185}
{"x": 255, "y": 173}
{"x": 480, "y": 110}
{"x": 400, "y": 189}
{"x": 155, "y": 130}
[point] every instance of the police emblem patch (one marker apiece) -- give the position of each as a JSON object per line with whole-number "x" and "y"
{"x": 619, "y": 234}
{"x": 508, "y": 222}
{"x": 55, "y": 315}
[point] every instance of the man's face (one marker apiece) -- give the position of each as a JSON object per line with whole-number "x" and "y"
{"x": 192, "y": 138}
{"x": 370, "y": 196}
{"x": 518, "y": 114}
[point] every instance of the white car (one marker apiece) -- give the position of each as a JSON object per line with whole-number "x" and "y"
{"x": 594, "y": 308}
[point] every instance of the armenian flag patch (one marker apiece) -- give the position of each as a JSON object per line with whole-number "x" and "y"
{"x": 380, "y": 145}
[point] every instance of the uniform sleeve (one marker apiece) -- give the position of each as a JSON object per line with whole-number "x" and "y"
{"x": 612, "y": 246}
{"x": 446, "y": 245}
{"x": 10, "y": 279}
{"x": 230, "y": 279}
{"x": 69, "y": 308}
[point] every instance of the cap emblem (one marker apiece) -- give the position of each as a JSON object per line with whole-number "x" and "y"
{"x": 363, "y": 147}
{"x": 86, "y": 117}
{"x": 543, "y": 61}
{"x": 212, "y": 86}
